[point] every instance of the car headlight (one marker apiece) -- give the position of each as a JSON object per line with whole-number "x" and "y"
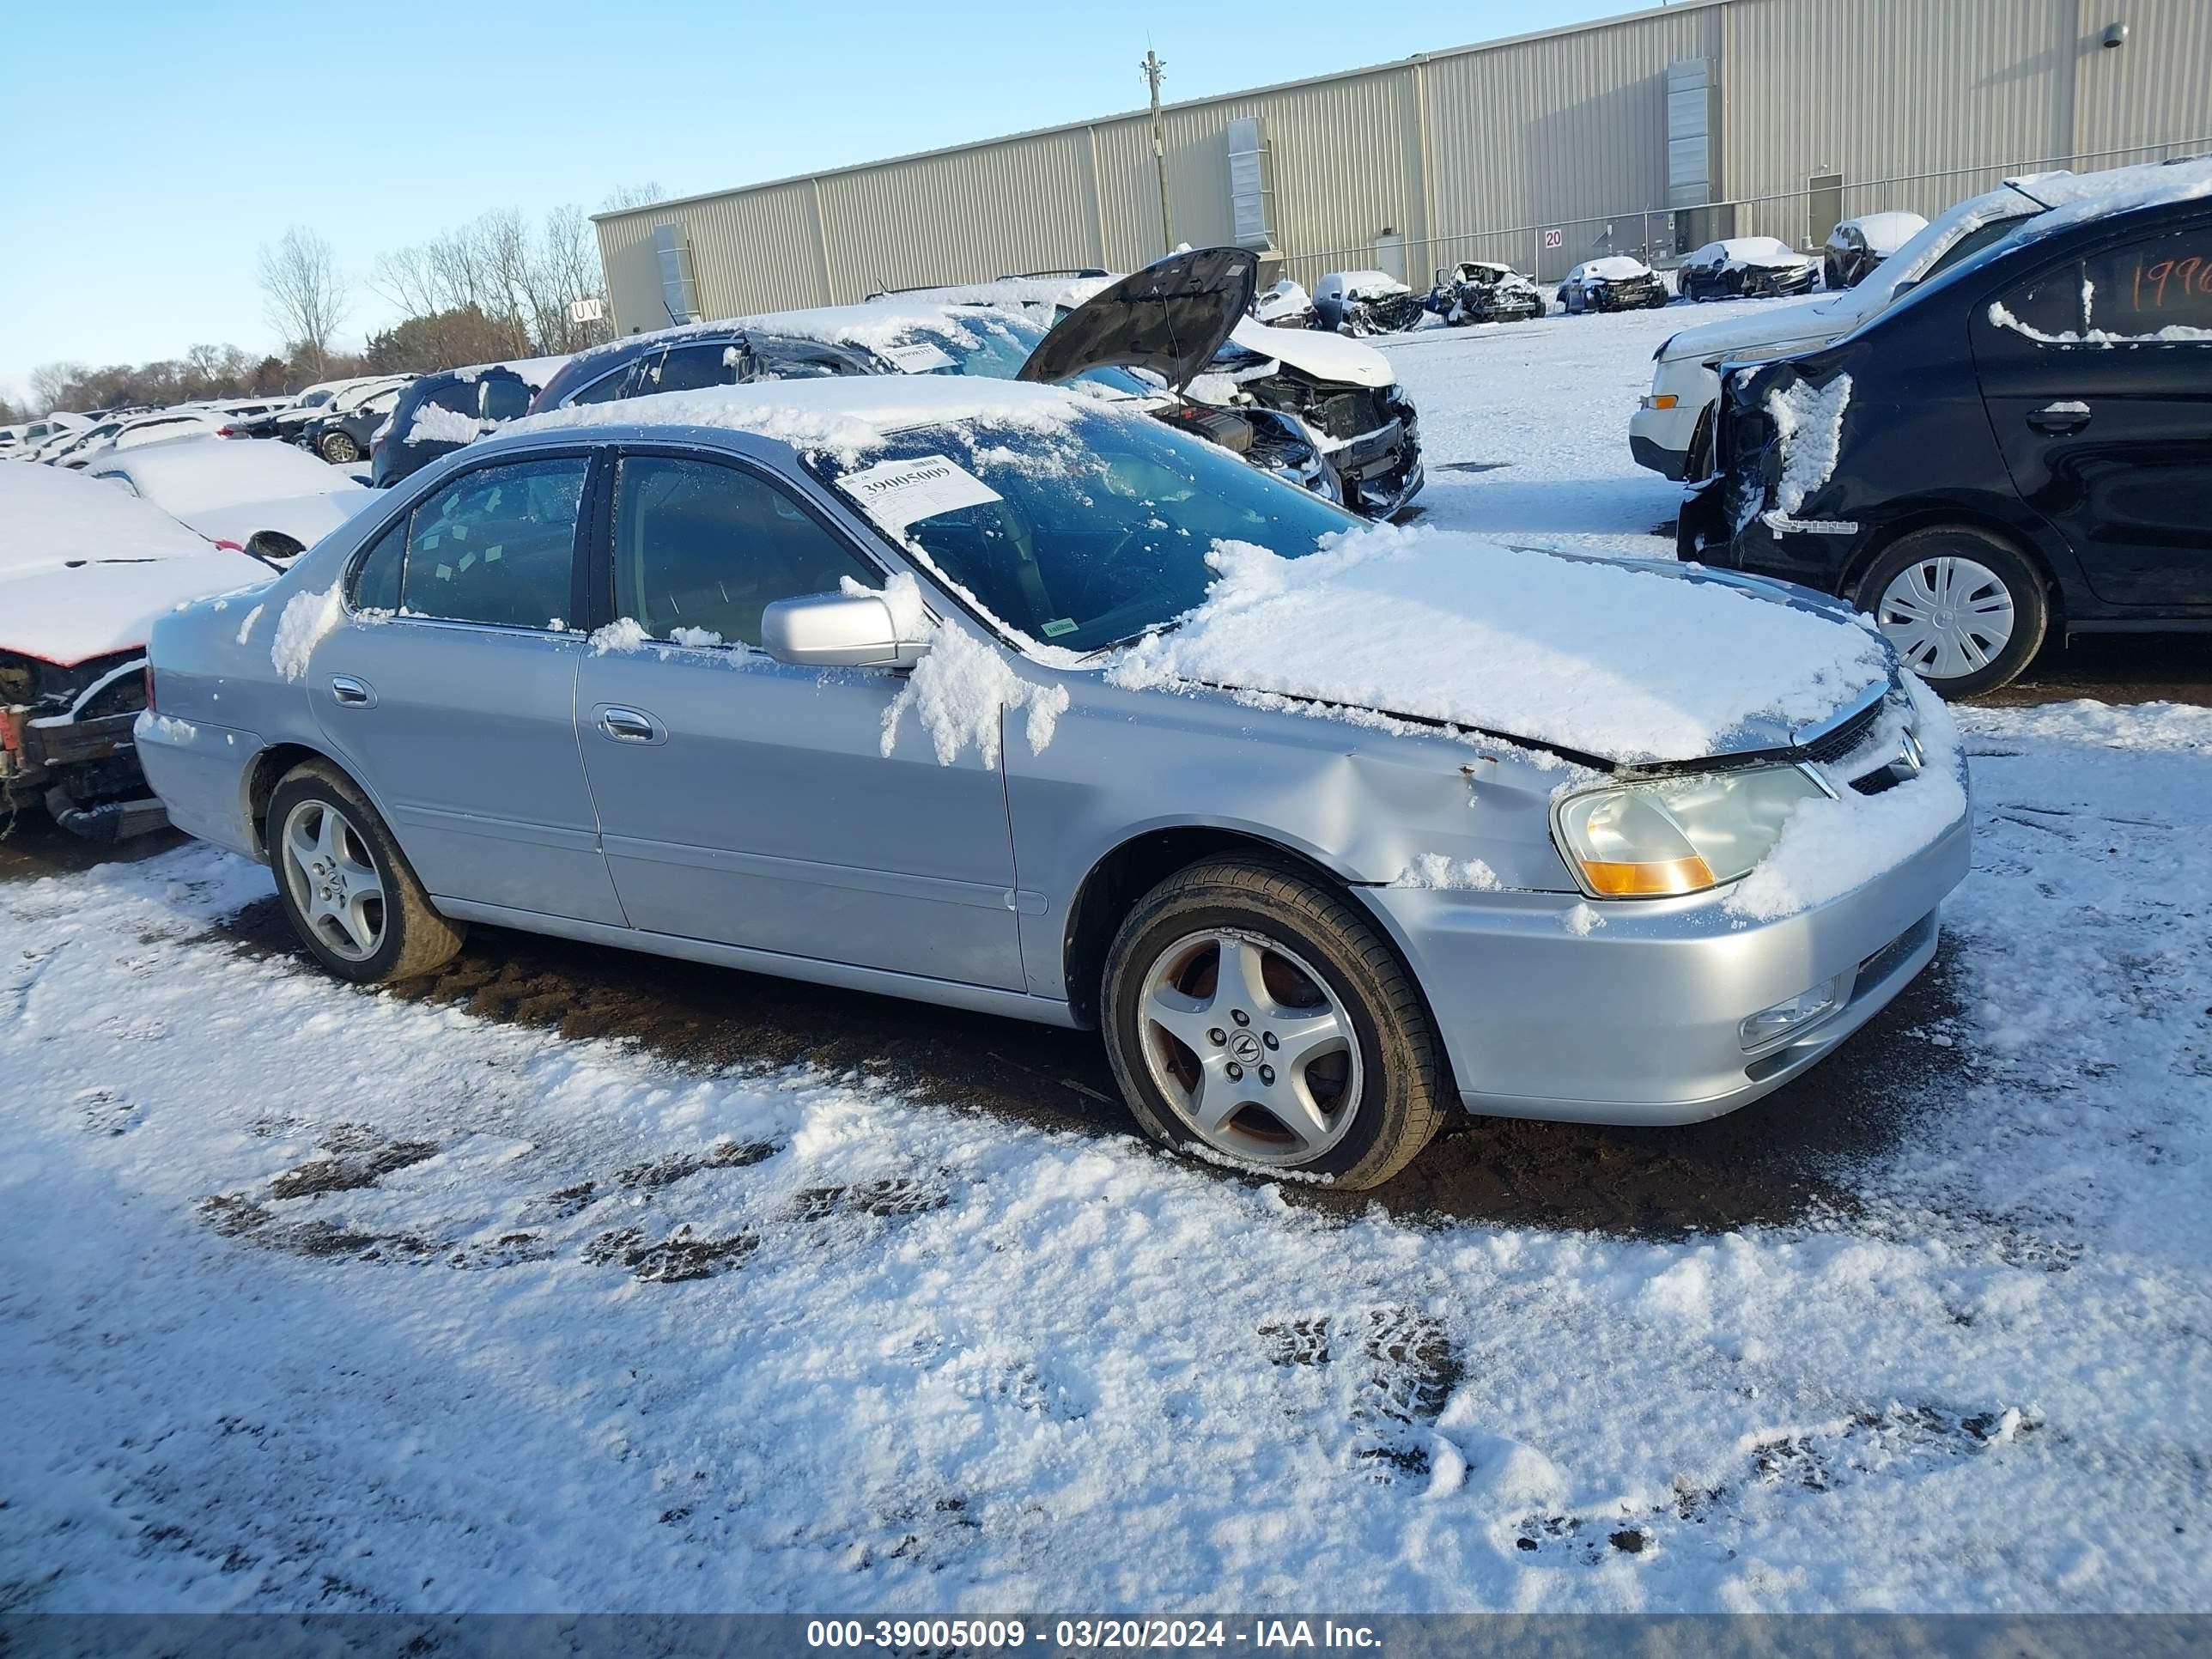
{"x": 1657, "y": 837}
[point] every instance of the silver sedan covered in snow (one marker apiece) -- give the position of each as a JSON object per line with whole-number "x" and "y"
{"x": 996, "y": 696}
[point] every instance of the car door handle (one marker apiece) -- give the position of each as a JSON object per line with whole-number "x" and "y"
{"x": 630, "y": 725}
{"x": 2056, "y": 418}
{"x": 353, "y": 693}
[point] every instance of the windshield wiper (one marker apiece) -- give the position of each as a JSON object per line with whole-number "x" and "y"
{"x": 1167, "y": 627}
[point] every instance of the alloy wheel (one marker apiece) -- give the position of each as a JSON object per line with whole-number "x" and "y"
{"x": 1948, "y": 616}
{"x": 333, "y": 880}
{"x": 1252, "y": 1051}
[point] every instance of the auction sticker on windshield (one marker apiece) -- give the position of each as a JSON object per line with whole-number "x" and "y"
{"x": 918, "y": 359}
{"x": 897, "y": 493}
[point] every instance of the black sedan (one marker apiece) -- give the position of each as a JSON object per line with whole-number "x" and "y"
{"x": 2023, "y": 445}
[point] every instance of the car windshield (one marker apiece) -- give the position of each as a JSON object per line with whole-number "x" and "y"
{"x": 1082, "y": 536}
{"x": 993, "y": 345}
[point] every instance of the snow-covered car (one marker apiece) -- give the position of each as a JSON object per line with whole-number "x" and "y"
{"x": 1746, "y": 268}
{"x": 161, "y": 427}
{"x": 1284, "y": 305}
{"x": 84, "y": 571}
{"x": 1365, "y": 302}
{"x": 1482, "y": 291}
{"x": 1111, "y": 341}
{"x": 1048, "y": 710}
{"x": 1617, "y": 281}
{"x": 1856, "y": 245}
{"x": 1671, "y": 430}
{"x": 269, "y": 500}
{"x": 33, "y": 436}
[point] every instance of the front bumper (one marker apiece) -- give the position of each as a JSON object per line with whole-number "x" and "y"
{"x": 1637, "y": 1022}
{"x": 1381, "y": 470}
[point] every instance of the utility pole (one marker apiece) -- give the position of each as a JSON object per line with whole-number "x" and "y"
{"x": 1151, "y": 66}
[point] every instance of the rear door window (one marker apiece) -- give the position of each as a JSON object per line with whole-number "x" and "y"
{"x": 689, "y": 369}
{"x": 497, "y": 545}
{"x": 701, "y": 549}
{"x": 2156, "y": 289}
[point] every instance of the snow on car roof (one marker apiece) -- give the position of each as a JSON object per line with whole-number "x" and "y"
{"x": 1886, "y": 231}
{"x": 848, "y": 414}
{"x": 49, "y": 516}
{"x": 186, "y": 475}
{"x": 1746, "y": 247}
{"x": 2075, "y": 198}
{"x": 1612, "y": 659}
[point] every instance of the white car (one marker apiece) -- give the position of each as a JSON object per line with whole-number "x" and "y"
{"x": 158, "y": 428}
{"x": 1671, "y": 431}
{"x": 85, "y": 571}
{"x": 1616, "y": 281}
{"x": 1746, "y": 268}
{"x": 270, "y": 500}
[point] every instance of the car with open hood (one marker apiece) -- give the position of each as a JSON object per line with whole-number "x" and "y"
{"x": 1365, "y": 302}
{"x": 1746, "y": 268}
{"x": 1671, "y": 430}
{"x": 1005, "y": 697}
{"x": 1614, "y": 281}
{"x": 1856, "y": 247}
{"x": 1172, "y": 337}
{"x": 84, "y": 571}
{"x": 2019, "y": 447}
{"x": 1483, "y": 291}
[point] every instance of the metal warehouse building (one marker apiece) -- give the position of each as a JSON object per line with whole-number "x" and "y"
{"x": 1652, "y": 131}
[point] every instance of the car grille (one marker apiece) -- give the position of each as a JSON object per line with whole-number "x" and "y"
{"x": 1834, "y": 745}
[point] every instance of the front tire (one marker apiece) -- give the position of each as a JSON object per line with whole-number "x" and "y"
{"x": 1256, "y": 1016}
{"x": 345, "y": 887}
{"x": 1965, "y": 610}
{"x": 338, "y": 448}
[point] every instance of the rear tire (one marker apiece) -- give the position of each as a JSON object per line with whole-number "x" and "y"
{"x": 345, "y": 887}
{"x": 1327, "y": 1062}
{"x": 338, "y": 448}
{"x": 1964, "y": 608}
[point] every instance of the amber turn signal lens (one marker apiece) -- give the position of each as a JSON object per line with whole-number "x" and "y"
{"x": 1690, "y": 875}
{"x": 1663, "y": 400}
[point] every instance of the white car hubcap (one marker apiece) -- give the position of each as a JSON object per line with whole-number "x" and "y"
{"x": 333, "y": 880}
{"x": 1250, "y": 1048}
{"x": 1948, "y": 617}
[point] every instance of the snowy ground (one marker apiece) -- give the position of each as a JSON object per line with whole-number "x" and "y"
{"x": 313, "y": 1298}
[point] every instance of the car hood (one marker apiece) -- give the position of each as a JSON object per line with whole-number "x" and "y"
{"x": 1806, "y": 323}
{"x": 1324, "y": 356}
{"x": 1610, "y": 662}
{"x": 306, "y": 519}
{"x": 1170, "y": 319}
{"x": 67, "y": 613}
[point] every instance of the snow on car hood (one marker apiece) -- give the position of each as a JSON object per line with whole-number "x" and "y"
{"x": 1625, "y": 663}
{"x": 1614, "y": 267}
{"x": 1812, "y": 321}
{"x": 1325, "y": 356}
{"x": 306, "y": 519}
{"x": 69, "y": 612}
{"x": 50, "y": 516}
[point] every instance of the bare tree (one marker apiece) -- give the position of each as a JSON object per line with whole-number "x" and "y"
{"x": 633, "y": 196}
{"x": 304, "y": 293}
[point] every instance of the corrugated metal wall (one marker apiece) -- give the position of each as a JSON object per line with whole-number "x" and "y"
{"x": 1471, "y": 153}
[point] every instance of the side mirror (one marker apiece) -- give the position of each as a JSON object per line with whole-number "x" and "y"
{"x": 1903, "y": 288}
{"x": 837, "y": 631}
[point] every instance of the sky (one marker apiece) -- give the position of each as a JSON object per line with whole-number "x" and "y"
{"x": 157, "y": 146}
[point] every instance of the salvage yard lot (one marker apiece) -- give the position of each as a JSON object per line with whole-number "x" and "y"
{"x": 572, "y": 1281}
